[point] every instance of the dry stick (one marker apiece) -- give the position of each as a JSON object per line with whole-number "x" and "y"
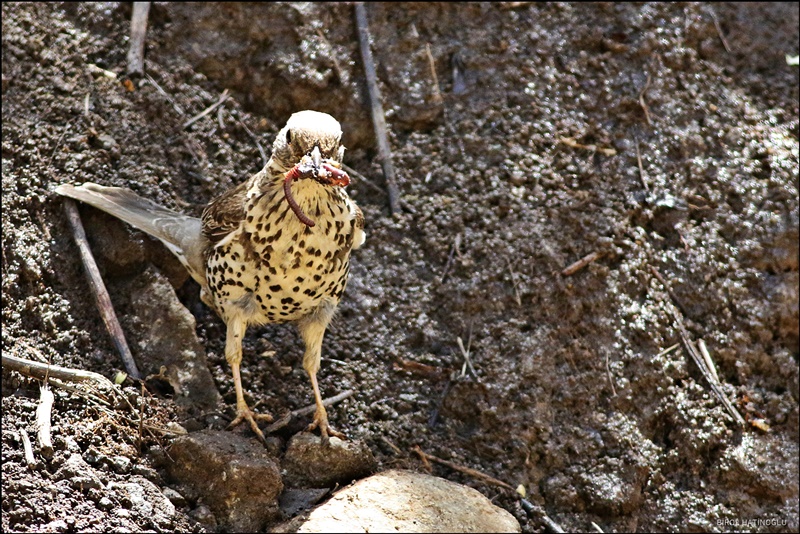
{"x": 534, "y": 509}
{"x": 700, "y": 361}
{"x": 99, "y": 292}
{"x": 719, "y": 32}
{"x": 255, "y": 140}
{"x": 378, "y": 117}
{"x": 166, "y": 95}
{"x": 222, "y": 98}
{"x": 641, "y": 167}
{"x": 39, "y": 370}
{"x": 668, "y": 350}
{"x": 286, "y": 419}
{"x": 43, "y": 412}
{"x": 138, "y": 32}
{"x": 466, "y": 470}
{"x": 672, "y": 295}
{"x": 707, "y": 358}
{"x": 437, "y": 93}
{"x": 581, "y": 263}
{"x": 642, "y": 102}
{"x": 30, "y": 459}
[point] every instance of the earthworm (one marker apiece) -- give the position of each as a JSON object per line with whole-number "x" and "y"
{"x": 287, "y": 190}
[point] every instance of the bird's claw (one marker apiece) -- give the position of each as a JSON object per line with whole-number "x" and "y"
{"x": 321, "y": 421}
{"x": 246, "y": 414}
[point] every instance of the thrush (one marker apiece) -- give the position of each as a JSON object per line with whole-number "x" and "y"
{"x": 274, "y": 249}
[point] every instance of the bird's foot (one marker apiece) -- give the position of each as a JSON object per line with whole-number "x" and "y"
{"x": 321, "y": 421}
{"x": 244, "y": 413}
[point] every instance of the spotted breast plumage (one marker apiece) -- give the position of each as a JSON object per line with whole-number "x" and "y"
{"x": 274, "y": 249}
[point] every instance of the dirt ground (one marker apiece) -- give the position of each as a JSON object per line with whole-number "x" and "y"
{"x": 663, "y": 137}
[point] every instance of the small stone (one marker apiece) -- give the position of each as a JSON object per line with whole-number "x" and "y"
{"x": 309, "y": 463}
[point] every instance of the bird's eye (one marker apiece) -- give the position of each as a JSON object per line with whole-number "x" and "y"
{"x": 288, "y": 136}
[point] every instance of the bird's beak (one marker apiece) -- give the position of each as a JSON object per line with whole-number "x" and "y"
{"x": 316, "y": 157}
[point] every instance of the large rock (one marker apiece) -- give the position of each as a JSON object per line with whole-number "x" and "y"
{"x": 234, "y": 476}
{"x": 405, "y": 501}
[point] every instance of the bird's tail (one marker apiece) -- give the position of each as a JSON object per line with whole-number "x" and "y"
{"x": 182, "y": 234}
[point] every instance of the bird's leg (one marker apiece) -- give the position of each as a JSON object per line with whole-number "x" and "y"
{"x": 233, "y": 353}
{"x": 312, "y": 330}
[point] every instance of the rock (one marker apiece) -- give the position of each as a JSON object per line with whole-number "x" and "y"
{"x": 404, "y": 501}
{"x": 309, "y": 463}
{"x": 80, "y": 475}
{"x": 235, "y": 477}
{"x": 144, "y": 500}
{"x": 166, "y": 336}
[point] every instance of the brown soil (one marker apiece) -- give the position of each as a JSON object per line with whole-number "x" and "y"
{"x": 664, "y": 136}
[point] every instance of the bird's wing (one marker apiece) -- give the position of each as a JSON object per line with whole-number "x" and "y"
{"x": 225, "y": 213}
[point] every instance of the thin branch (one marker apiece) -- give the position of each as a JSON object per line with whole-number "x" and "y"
{"x": 30, "y": 459}
{"x": 222, "y": 98}
{"x": 460, "y": 468}
{"x": 39, "y": 370}
{"x": 534, "y": 510}
{"x": 643, "y": 103}
{"x": 138, "y": 32}
{"x": 43, "y": 412}
{"x": 286, "y": 419}
{"x": 99, "y": 291}
{"x": 581, "y": 263}
{"x": 378, "y": 117}
{"x": 253, "y": 136}
{"x": 166, "y": 95}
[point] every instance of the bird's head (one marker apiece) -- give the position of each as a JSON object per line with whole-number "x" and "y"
{"x": 308, "y": 133}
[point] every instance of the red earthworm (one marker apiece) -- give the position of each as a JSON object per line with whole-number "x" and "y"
{"x": 287, "y": 190}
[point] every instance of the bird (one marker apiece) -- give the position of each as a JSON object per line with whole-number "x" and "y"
{"x": 274, "y": 249}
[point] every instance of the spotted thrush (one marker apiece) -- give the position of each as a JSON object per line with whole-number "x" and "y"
{"x": 274, "y": 249}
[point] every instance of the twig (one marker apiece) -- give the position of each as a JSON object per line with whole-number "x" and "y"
{"x": 667, "y": 286}
{"x": 141, "y": 420}
{"x": 222, "y": 98}
{"x": 707, "y": 358}
{"x": 537, "y": 511}
{"x": 704, "y": 369}
{"x": 378, "y": 117}
{"x": 253, "y": 136}
{"x": 668, "y": 350}
{"x": 99, "y": 292}
{"x": 286, "y": 419}
{"x": 39, "y": 370}
{"x": 437, "y": 93}
{"x": 610, "y": 377}
{"x": 719, "y": 32}
{"x": 30, "y": 459}
{"x": 514, "y": 283}
{"x": 581, "y": 263}
{"x": 138, "y": 32}
{"x": 424, "y": 459}
{"x": 643, "y": 103}
{"x": 392, "y": 446}
{"x": 641, "y": 167}
{"x": 336, "y": 67}
{"x": 596, "y": 527}
{"x": 166, "y": 95}
{"x": 465, "y": 354}
{"x": 571, "y": 142}
{"x": 466, "y": 470}
{"x": 43, "y": 412}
